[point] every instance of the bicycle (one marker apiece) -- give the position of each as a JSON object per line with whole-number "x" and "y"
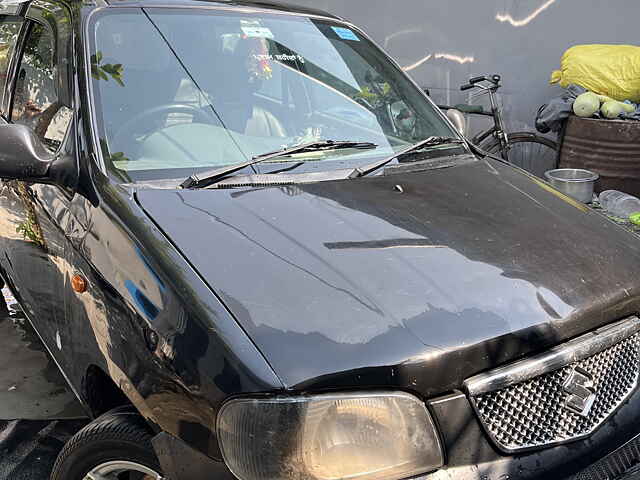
{"x": 519, "y": 148}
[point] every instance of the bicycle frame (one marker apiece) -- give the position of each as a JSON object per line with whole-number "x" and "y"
{"x": 497, "y": 130}
{"x": 495, "y": 139}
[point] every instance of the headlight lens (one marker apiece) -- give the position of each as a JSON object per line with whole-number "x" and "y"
{"x": 326, "y": 437}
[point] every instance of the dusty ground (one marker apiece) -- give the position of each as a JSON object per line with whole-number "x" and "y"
{"x": 32, "y": 392}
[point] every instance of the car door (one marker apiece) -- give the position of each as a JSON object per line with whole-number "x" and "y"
{"x": 34, "y": 217}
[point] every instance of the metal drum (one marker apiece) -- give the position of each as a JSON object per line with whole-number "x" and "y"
{"x": 610, "y": 148}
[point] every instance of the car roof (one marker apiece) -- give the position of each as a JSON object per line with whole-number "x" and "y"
{"x": 265, "y": 6}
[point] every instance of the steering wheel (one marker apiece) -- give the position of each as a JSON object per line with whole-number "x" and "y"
{"x": 137, "y": 123}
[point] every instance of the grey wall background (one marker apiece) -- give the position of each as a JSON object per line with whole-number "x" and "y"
{"x": 442, "y": 43}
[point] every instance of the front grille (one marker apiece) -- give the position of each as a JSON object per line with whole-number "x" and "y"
{"x": 535, "y": 412}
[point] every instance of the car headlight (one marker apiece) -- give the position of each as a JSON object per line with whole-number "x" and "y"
{"x": 324, "y": 437}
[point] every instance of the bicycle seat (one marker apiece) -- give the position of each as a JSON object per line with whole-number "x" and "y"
{"x": 465, "y": 108}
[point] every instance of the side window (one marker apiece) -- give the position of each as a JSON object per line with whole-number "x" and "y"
{"x": 9, "y": 30}
{"x": 36, "y": 103}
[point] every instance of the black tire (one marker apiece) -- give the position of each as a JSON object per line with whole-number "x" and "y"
{"x": 115, "y": 436}
{"x": 527, "y": 150}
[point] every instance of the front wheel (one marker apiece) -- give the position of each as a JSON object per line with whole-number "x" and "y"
{"x": 115, "y": 446}
{"x": 527, "y": 150}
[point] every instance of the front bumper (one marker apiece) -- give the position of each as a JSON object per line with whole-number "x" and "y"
{"x": 181, "y": 462}
{"x": 607, "y": 433}
{"x": 610, "y": 450}
{"x": 610, "y": 453}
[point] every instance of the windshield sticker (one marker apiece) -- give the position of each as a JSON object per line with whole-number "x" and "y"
{"x": 280, "y": 57}
{"x": 256, "y": 31}
{"x": 345, "y": 33}
{"x": 260, "y": 67}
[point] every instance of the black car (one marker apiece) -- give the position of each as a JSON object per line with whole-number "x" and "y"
{"x": 255, "y": 248}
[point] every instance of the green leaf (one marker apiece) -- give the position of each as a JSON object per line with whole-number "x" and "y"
{"x": 119, "y": 157}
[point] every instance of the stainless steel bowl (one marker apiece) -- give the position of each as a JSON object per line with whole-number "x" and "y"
{"x": 574, "y": 182}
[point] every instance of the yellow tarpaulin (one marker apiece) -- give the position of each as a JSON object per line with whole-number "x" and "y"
{"x": 612, "y": 70}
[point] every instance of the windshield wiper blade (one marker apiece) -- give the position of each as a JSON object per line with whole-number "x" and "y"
{"x": 317, "y": 146}
{"x": 212, "y": 176}
{"x": 427, "y": 142}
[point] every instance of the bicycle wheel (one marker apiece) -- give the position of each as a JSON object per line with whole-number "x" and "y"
{"x": 527, "y": 150}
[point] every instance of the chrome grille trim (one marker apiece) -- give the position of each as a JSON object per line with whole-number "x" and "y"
{"x": 570, "y": 352}
{"x": 522, "y": 406}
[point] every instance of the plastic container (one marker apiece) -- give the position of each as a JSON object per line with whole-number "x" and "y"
{"x": 620, "y": 204}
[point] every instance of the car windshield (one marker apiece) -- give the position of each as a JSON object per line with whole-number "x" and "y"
{"x": 178, "y": 91}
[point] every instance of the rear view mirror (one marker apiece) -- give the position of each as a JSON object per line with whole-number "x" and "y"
{"x": 458, "y": 119}
{"x": 22, "y": 154}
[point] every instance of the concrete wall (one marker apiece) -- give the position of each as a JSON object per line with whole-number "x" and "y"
{"x": 443, "y": 43}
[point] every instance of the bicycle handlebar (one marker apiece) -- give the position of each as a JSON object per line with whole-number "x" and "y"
{"x": 494, "y": 79}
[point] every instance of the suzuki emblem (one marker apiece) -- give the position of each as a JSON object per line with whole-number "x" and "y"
{"x": 580, "y": 392}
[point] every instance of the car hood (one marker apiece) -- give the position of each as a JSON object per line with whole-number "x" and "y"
{"x": 413, "y": 280}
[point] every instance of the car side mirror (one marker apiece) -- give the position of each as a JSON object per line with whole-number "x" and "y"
{"x": 23, "y": 156}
